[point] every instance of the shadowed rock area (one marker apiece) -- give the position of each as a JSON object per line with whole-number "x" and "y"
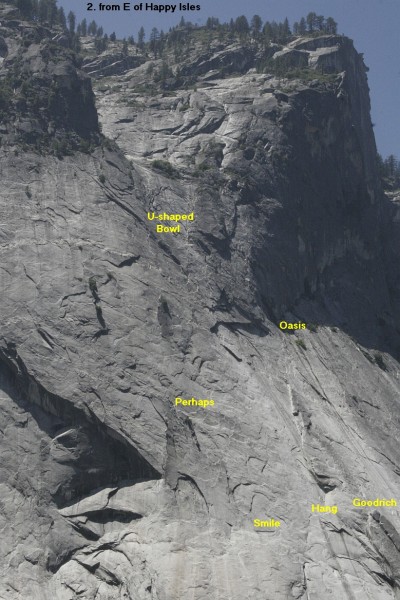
{"x": 110, "y": 491}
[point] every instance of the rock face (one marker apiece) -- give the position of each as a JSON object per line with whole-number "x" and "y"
{"x": 103, "y": 66}
{"x": 45, "y": 100}
{"x": 109, "y": 489}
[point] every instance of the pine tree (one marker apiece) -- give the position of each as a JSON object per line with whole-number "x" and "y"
{"x": 242, "y": 27}
{"x": 141, "y": 36}
{"x": 100, "y": 44}
{"x": 161, "y": 43}
{"x": 311, "y": 21}
{"x": 256, "y": 24}
{"x": 212, "y": 23}
{"x": 71, "y": 21}
{"x": 391, "y": 165}
{"x": 286, "y": 29}
{"x": 84, "y": 27}
{"x": 302, "y": 26}
{"x": 389, "y": 170}
{"x": 113, "y": 37}
{"x": 380, "y": 164}
{"x": 75, "y": 42}
{"x": 274, "y": 31}
{"x": 154, "y": 37}
{"x": 42, "y": 11}
{"x": 61, "y": 18}
{"x": 319, "y": 22}
{"x": 331, "y": 25}
{"x": 267, "y": 33}
{"x": 92, "y": 29}
{"x": 52, "y": 12}
{"x": 25, "y": 7}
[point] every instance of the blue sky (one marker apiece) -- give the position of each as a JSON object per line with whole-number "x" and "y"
{"x": 372, "y": 24}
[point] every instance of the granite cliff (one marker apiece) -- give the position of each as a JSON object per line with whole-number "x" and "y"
{"x": 109, "y": 490}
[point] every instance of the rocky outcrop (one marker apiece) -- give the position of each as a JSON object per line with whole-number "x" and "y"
{"x": 111, "y": 64}
{"x": 224, "y": 61}
{"x": 109, "y": 488}
{"x": 47, "y": 102}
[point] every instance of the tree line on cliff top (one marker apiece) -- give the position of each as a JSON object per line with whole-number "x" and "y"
{"x": 47, "y": 12}
{"x": 389, "y": 170}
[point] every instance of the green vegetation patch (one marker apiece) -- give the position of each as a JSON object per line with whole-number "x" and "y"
{"x": 301, "y": 344}
{"x": 165, "y": 167}
{"x": 379, "y": 361}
